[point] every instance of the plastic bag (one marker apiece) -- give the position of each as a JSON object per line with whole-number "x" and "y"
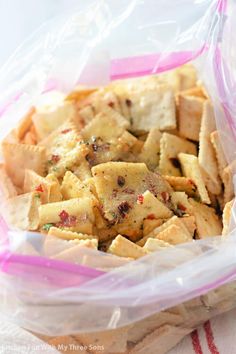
{"x": 99, "y": 41}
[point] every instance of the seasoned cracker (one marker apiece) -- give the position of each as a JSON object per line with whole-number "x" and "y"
{"x": 72, "y": 187}
{"x": 180, "y": 201}
{"x": 221, "y": 160}
{"x": 122, "y": 247}
{"x": 174, "y": 220}
{"x": 190, "y": 114}
{"x": 154, "y": 244}
{"x": 174, "y": 234}
{"x": 150, "y": 153}
{"x": 207, "y": 222}
{"x": 170, "y": 147}
{"x": 55, "y": 189}
{"x": 207, "y": 157}
{"x": 19, "y": 157}
{"x": 191, "y": 169}
{"x": 190, "y": 223}
{"x": 226, "y": 216}
{"x": 149, "y": 225}
{"x": 182, "y": 184}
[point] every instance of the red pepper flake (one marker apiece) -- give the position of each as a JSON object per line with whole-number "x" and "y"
{"x": 140, "y": 199}
{"x": 165, "y": 196}
{"x": 123, "y": 209}
{"x": 64, "y": 215}
{"x": 151, "y": 217}
{"x": 55, "y": 158}
{"x": 39, "y": 188}
{"x": 181, "y": 207}
{"x": 66, "y": 219}
{"x": 128, "y": 102}
{"x": 65, "y": 131}
{"x": 121, "y": 181}
{"x": 111, "y": 104}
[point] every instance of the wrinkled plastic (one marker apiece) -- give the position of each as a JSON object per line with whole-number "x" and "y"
{"x": 98, "y": 42}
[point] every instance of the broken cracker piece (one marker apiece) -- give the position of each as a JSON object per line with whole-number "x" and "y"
{"x": 207, "y": 157}
{"x": 207, "y": 222}
{"x": 220, "y": 156}
{"x": 122, "y": 247}
{"x": 154, "y": 244}
{"x": 182, "y": 184}
{"x": 170, "y": 147}
{"x": 191, "y": 169}
{"x": 227, "y": 216}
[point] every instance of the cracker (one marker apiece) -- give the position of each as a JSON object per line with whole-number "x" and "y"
{"x": 207, "y": 222}
{"x": 119, "y": 184}
{"x": 22, "y": 211}
{"x": 104, "y": 127}
{"x": 191, "y": 169}
{"x": 154, "y": 244}
{"x": 196, "y": 91}
{"x": 174, "y": 220}
{"x": 83, "y": 171}
{"x": 190, "y": 114}
{"x": 148, "y": 107}
{"x": 182, "y": 184}
{"x": 180, "y": 201}
{"x": 190, "y": 223}
{"x": 227, "y": 178}
{"x": 150, "y": 207}
{"x": 149, "y": 225}
{"x": 71, "y": 254}
{"x": 55, "y": 189}
{"x": 37, "y": 183}
{"x": 72, "y": 187}
{"x": 174, "y": 234}
{"x": 6, "y": 185}
{"x": 19, "y": 157}
{"x": 122, "y": 247}
{"x": 150, "y": 153}
{"x": 161, "y": 340}
{"x": 24, "y": 124}
{"x": 48, "y": 118}
{"x": 220, "y": 156}
{"x": 227, "y": 216}
{"x": 80, "y": 210}
{"x": 207, "y": 157}
{"x": 170, "y": 147}
{"x": 80, "y": 93}
{"x": 69, "y": 235}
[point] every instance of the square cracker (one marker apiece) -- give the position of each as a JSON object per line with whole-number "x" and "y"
{"x": 150, "y": 153}
{"x": 149, "y": 107}
{"x": 22, "y": 211}
{"x": 6, "y": 185}
{"x": 174, "y": 235}
{"x": 170, "y": 147}
{"x": 154, "y": 244}
{"x": 122, "y": 247}
{"x": 220, "y": 156}
{"x": 182, "y": 184}
{"x": 226, "y": 216}
{"x": 191, "y": 169}
{"x": 190, "y": 114}
{"x": 174, "y": 220}
{"x": 19, "y": 157}
{"x": 208, "y": 223}
{"x": 207, "y": 157}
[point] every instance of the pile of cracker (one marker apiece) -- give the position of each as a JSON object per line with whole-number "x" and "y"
{"x": 130, "y": 168}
